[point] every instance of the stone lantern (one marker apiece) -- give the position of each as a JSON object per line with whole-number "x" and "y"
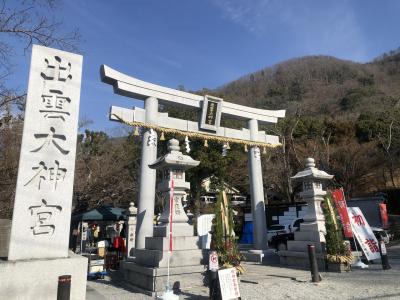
{"x": 131, "y": 228}
{"x": 149, "y": 268}
{"x": 313, "y": 194}
{"x": 174, "y": 164}
{"x": 312, "y": 231}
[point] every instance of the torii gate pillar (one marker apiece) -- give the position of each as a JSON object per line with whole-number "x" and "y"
{"x": 147, "y": 190}
{"x": 257, "y": 191}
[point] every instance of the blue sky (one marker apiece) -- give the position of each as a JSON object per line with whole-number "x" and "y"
{"x": 212, "y": 42}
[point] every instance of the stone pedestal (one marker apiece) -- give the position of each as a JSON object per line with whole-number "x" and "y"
{"x": 311, "y": 233}
{"x": 148, "y": 270}
{"x": 38, "y": 278}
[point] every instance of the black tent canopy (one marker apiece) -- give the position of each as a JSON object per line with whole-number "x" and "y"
{"x": 101, "y": 214}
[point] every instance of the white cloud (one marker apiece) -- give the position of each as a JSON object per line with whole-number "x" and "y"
{"x": 312, "y": 27}
{"x": 170, "y": 62}
{"x": 250, "y": 14}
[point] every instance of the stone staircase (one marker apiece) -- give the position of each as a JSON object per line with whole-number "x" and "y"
{"x": 290, "y": 215}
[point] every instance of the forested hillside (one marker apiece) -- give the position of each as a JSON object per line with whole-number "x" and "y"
{"x": 344, "y": 114}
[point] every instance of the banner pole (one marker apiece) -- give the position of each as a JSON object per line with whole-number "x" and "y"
{"x": 171, "y": 200}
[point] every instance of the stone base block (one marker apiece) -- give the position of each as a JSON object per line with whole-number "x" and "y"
{"x": 317, "y": 226}
{"x": 266, "y": 257}
{"x": 312, "y": 236}
{"x": 302, "y": 246}
{"x": 183, "y": 229}
{"x": 159, "y": 259}
{"x": 38, "y": 278}
{"x": 300, "y": 260}
{"x": 153, "y": 280}
{"x": 179, "y": 242}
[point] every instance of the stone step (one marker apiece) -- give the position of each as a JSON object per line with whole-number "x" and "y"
{"x": 300, "y": 260}
{"x": 251, "y": 257}
{"x": 309, "y": 236}
{"x": 155, "y": 279}
{"x": 315, "y": 226}
{"x": 245, "y": 246}
{"x": 302, "y": 246}
{"x": 159, "y": 259}
{"x": 289, "y": 213}
{"x": 179, "y": 242}
{"x": 177, "y": 230}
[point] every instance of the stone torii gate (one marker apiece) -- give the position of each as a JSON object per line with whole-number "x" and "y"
{"x": 211, "y": 109}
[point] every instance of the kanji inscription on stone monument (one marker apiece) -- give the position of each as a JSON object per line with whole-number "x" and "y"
{"x": 42, "y": 208}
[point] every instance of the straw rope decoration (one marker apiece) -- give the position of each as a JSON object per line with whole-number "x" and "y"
{"x": 203, "y": 136}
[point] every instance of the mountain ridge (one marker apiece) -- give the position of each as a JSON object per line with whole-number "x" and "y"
{"x": 320, "y": 85}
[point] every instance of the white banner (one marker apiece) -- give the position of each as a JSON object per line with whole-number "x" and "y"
{"x": 363, "y": 233}
{"x": 204, "y": 224}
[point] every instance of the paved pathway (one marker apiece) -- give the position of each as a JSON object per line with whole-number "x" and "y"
{"x": 266, "y": 282}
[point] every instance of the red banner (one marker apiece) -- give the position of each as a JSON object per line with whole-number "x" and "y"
{"x": 384, "y": 216}
{"x": 341, "y": 206}
{"x": 171, "y": 207}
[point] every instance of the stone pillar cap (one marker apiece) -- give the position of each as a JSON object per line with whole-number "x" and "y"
{"x": 310, "y": 162}
{"x": 132, "y": 209}
{"x": 173, "y": 145}
{"x": 311, "y": 172}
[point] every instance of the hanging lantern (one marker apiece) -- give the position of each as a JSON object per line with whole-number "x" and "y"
{"x": 245, "y": 148}
{"x": 162, "y": 137}
{"x": 227, "y": 146}
{"x": 264, "y": 150}
{"x": 205, "y": 143}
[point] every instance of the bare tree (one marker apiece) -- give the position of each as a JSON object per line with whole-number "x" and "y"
{"x": 23, "y": 23}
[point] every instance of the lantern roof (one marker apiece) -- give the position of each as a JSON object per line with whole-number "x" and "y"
{"x": 174, "y": 159}
{"x": 311, "y": 172}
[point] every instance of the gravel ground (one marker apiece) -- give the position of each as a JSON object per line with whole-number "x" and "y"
{"x": 265, "y": 282}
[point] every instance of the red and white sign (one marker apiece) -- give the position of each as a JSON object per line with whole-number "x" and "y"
{"x": 171, "y": 207}
{"x": 363, "y": 232}
{"x": 213, "y": 261}
{"x": 384, "y": 216}
{"x": 341, "y": 206}
{"x": 228, "y": 283}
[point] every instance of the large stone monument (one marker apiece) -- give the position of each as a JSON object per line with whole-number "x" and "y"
{"x": 312, "y": 231}
{"x": 211, "y": 110}
{"x": 38, "y": 247}
{"x": 148, "y": 270}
